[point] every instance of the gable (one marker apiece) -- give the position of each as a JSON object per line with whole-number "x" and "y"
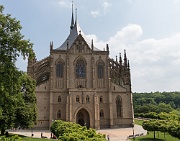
{"x": 80, "y": 46}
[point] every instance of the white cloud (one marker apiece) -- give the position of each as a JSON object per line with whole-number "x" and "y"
{"x": 106, "y": 5}
{"x": 95, "y": 13}
{"x": 154, "y": 62}
{"x": 64, "y": 3}
{"x": 103, "y": 9}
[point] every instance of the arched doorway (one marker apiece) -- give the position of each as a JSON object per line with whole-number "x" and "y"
{"x": 82, "y": 118}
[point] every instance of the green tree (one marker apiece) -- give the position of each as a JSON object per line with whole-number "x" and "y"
{"x": 12, "y": 98}
{"x": 69, "y": 131}
{"x": 151, "y": 125}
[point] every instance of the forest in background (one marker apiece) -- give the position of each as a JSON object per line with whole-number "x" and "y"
{"x": 162, "y": 109}
{"x": 156, "y": 102}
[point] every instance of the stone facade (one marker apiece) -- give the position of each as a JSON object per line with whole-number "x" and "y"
{"x": 79, "y": 83}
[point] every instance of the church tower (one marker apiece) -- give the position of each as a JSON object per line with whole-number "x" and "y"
{"x": 80, "y": 83}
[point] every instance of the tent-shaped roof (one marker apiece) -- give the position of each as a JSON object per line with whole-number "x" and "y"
{"x": 76, "y": 30}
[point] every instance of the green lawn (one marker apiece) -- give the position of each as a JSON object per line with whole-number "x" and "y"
{"x": 139, "y": 122}
{"x": 150, "y": 137}
{"x": 24, "y": 138}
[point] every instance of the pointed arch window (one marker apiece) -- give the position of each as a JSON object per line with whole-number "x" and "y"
{"x": 100, "y": 70}
{"x": 87, "y": 99}
{"x": 59, "y": 69}
{"x": 59, "y": 98}
{"x": 118, "y": 106}
{"x": 77, "y": 98}
{"x": 80, "y": 68}
{"x": 101, "y": 99}
{"x": 59, "y": 114}
{"x": 101, "y": 113}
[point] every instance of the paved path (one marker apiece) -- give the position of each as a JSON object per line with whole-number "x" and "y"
{"x": 119, "y": 134}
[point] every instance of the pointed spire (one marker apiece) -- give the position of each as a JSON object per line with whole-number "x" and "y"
{"x": 72, "y": 19}
{"x": 116, "y": 59}
{"x": 128, "y": 65}
{"x": 76, "y": 16}
{"x": 67, "y": 44}
{"x": 120, "y": 59}
{"x": 107, "y": 47}
{"x": 125, "y": 54}
{"x": 125, "y": 59}
{"x": 92, "y": 45}
{"x": 51, "y": 45}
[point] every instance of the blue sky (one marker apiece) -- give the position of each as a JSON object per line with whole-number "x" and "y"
{"x": 149, "y": 30}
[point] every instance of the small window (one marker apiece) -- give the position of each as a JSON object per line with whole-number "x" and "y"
{"x": 59, "y": 98}
{"x": 77, "y": 98}
{"x": 59, "y": 114}
{"x": 101, "y": 113}
{"x": 87, "y": 99}
{"x": 101, "y": 99}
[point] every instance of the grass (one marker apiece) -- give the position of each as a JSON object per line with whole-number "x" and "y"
{"x": 159, "y": 137}
{"x": 139, "y": 122}
{"x": 150, "y": 136}
{"x": 24, "y": 138}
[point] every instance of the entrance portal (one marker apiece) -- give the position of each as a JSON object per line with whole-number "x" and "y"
{"x": 82, "y": 118}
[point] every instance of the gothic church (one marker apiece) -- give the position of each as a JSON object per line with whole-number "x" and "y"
{"x": 80, "y": 83}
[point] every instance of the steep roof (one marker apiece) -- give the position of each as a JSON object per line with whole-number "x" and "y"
{"x": 76, "y": 30}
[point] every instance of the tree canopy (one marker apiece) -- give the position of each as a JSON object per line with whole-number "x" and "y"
{"x": 17, "y": 90}
{"x": 156, "y": 102}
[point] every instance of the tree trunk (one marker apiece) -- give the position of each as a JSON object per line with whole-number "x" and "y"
{"x": 2, "y": 131}
{"x": 154, "y": 134}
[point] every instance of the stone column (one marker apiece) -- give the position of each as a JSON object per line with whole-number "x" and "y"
{"x": 67, "y": 108}
{"x": 51, "y": 109}
{"x": 111, "y": 110}
{"x": 70, "y": 108}
{"x": 67, "y": 70}
{"x": 93, "y": 71}
{"x": 96, "y": 112}
{"x": 51, "y": 92}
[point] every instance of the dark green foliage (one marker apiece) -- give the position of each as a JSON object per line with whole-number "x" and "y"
{"x": 68, "y": 131}
{"x": 156, "y": 102}
{"x": 17, "y": 97}
{"x": 169, "y": 124}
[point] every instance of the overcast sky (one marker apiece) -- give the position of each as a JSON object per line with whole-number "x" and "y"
{"x": 149, "y": 30}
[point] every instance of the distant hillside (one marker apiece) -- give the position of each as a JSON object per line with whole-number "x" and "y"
{"x": 156, "y": 102}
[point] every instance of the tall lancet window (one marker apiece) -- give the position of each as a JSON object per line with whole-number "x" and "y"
{"x": 119, "y": 106}
{"x": 100, "y": 70}
{"x": 101, "y": 113}
{"x": 59, "y": 69}
{"x": 80, "y": 68}
{"x": 59, "y": 114}
{"x": 87, "y": 99}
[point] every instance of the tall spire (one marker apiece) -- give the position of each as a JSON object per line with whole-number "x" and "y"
{"x": 72, "y": 19}
{"x": 76, "y": 15}
{"x": 125, "y": 59}
{"x": 120, "y": 59}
